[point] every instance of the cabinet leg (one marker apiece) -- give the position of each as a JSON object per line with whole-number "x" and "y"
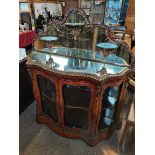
{"x": 124, "y": 133}
{"x": 133, "y": 134}
{"x": 37, "y": 120}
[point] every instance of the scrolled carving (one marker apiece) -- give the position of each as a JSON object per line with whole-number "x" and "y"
{"x": 30, "y": 73}
{"x": 132, "y": 64}
{"x": 76, "y": 11}
{"x": 76, "y": 32}
{"x": 49, "y": 44}
{"x": 102, "y": 71}
{"x": 74, "y": 75}
{"x": 67, "y": 14}
{"x": 98, "y": 93}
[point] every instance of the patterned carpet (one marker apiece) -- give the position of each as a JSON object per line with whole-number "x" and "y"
{"x": 37, "y": 139}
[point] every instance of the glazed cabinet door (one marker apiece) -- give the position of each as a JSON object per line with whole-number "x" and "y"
{"x": 110, "y": 99}
{"x": 76, "y": 100}
{"x": 47, "y": 90}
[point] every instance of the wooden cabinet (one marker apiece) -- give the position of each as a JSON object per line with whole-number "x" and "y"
{"x": 73, "y": 99}
{"x": 79, "y": 92}
{"x": 76, "y": 107}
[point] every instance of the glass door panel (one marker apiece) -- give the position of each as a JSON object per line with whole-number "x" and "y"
{"x": 48, "y": 97}
{"x": 76, "y": 103}
{"x": 109, "y": 102}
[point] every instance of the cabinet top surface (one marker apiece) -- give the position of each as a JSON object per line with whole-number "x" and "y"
{"x": 72, "y": 60}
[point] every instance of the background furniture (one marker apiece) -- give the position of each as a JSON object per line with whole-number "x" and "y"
{"x": 130, "y": 122}
{"x": 25, "y": 84}
{"x": 130, "y": 23}
{"x": 26, "y": 38}
{"x": 119, "y": 32}
{"x": 133, "y": 40}
{"x": 130, "y": 17}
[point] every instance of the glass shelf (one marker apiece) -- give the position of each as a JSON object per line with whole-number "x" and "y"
{"x": 120, "y": 28}
{"x": 84, "y": 54}
{"x": 74, "y": 24}
{"x": 109, "y": 102}
{"x": 113, "y": 91}
{"x": 109, "y": 112}
{"x": 107, "y": 45}
{"x": 48, "y": 38}
{"x": 112, "y": 100}
{"x": 107, "y": 121}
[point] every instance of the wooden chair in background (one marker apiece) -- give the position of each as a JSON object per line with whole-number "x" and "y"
{"x": 130, "y": 122}
{"x": 130, "y": 24}
{"x": 38, "y": 44}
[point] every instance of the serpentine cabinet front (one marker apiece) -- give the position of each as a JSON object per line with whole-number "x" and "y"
{"x": 78, "y": 107}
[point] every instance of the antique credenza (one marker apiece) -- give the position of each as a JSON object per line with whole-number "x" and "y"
{"x": 79, "y": 92}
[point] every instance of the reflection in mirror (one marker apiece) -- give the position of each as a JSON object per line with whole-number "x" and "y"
{"x": 75, "y": 19}
{"x": 75, "y": 22}
{"x": 75, "y": 31}
{"x": 82, "y": 54}
{"x": 123, "y": 52}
